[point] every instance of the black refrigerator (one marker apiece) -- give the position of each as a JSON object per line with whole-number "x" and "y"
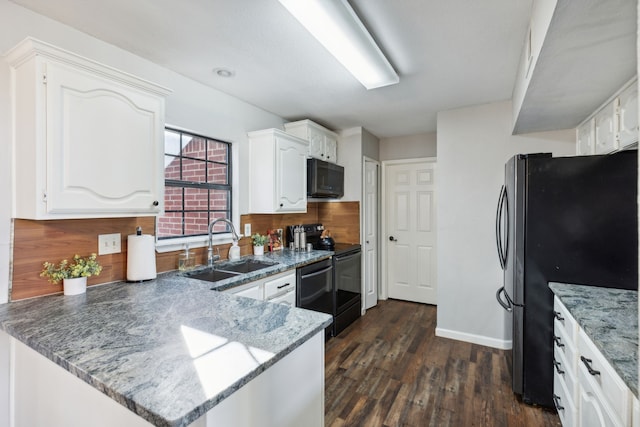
{"x": 562, "y": 219}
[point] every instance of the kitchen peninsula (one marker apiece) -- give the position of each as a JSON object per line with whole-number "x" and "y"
{"x": 170, "y": 351}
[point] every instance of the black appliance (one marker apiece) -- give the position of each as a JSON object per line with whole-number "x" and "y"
{"x": 564, "y": 219}
{"x": 345, "y": 283}
{"x": 314, "y": 289}
{"x": 324, "y": 179}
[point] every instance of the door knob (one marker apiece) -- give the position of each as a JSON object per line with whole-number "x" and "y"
{"x": 392, "y": 239}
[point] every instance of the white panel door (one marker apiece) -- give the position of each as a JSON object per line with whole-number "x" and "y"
{"x": 370, "y": 234}
{"x": 411, "y": 232}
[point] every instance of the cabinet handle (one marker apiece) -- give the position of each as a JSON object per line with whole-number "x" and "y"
{"x": 558, "y": 341}
{"x": 556, "y": 400}
{"x": 156, "y": 203}
{"x": 587, "y": 363}
{"x": 558, "y": 316}
{"x": 281, "y": 204}
{"x": 557, "y": 366}
{"x": 284, "y": 286}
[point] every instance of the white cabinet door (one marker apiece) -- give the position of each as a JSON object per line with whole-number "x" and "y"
{"x": 331, "y": 149}
{"x": 88, "y": 139}
{"x": 104, "y": 146}
{"x": 628, "y": 115}
{"x": 605, "y": 129}
{"x": 278, "y": 179}
{"x": 585, "y": 135}
{"x": 316, "y": 144}
{"x": 291, "y": 175}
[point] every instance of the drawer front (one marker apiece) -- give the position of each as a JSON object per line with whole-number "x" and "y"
{"x": 606, "y": 382}
{"x": 562, "y": 370}
{"x": 280, "y": 285}
{"x": 563, "y": 319}
{"x": 254, "y": 292}
{"x": 564, "y": 402}
{"x": 288, "y": 299}
{"x": 563, "y": 344}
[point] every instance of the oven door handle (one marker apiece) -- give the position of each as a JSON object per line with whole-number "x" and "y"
{"x": 316, "y": 273}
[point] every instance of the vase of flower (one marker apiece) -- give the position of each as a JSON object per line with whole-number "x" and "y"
{"x": 72, "y": 274}
{"x": 74, "y": 285}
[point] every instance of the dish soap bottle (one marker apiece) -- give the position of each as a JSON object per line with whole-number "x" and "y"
{"x": 234, "y": 251}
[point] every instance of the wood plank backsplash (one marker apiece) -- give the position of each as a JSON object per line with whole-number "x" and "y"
{"x": 35, "y": 242}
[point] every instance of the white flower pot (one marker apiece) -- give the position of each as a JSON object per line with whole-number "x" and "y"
{"x": 75, "y": 286}
{"x": 258, "y": 250}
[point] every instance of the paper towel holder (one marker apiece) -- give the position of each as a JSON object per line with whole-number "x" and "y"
{"x": 141, "y": 257}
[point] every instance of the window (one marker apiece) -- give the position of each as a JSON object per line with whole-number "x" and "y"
{"x": 197, "y": 172}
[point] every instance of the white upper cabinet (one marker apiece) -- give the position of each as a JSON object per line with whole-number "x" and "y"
{"x": 277, "y": 172}
{"x": 606, "y": 129}
{"x": 323, "y": 143}
{"x": 628, "y": 115}
{"x": 614, "y": 126}
{"x": 585, "y": 135}
{"x": 89, "y": 139}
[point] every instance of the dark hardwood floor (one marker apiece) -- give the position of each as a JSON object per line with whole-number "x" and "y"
{"x": 389, "y": 369}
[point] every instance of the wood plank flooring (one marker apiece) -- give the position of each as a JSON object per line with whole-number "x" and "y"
{"x": 389, "y": 369}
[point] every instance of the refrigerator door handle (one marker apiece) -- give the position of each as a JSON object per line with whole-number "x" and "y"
{"x": 507, "y": 305}
{"x": 503, "y": 208}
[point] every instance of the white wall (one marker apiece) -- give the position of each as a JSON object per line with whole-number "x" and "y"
{"x": 409, "y": 147}
{"x": 473, "y": 145}
{"x": 192, "y": 105}
{"x": 350, "y": 157}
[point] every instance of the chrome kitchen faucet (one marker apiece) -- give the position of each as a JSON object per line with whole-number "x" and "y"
{"x": 210, "y": 257}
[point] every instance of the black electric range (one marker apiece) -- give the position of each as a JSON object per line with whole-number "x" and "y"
{"x": 342, "y": 297}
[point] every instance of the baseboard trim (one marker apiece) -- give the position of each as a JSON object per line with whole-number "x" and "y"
{"x": 475, "y": 339}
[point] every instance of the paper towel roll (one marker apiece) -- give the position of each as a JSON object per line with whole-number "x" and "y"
{"x": 141, "y": 257}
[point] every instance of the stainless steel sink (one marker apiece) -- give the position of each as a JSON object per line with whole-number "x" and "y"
{"x": 211, "y": 275}
{"x": 229, "y": 269}
{"x": 245, "y": 266}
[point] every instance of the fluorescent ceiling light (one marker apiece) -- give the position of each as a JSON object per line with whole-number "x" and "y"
{"x": 340, "y": 31}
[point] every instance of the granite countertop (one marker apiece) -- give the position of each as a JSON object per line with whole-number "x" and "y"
{"x": 145, "y": 344}
{"x": 610, "y": 318}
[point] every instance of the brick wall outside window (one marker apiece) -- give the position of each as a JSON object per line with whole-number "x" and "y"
{"x": 197, "y": 184}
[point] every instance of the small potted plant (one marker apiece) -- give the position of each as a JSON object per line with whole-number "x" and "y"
{"x": 258, "y": 243}
{"x": 73, "y": 274}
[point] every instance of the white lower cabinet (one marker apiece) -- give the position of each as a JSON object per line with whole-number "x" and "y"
{"x": 289, "y": 393}
{"x": 279, "y": 288}
{"x": 587, "y": 390}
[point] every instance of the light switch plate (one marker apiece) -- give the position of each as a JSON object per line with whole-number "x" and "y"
{"x": 247, "y": 230}
{"x": 109, "y": 244}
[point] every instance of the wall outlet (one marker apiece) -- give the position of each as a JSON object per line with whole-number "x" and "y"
{"x": 247, "y": 230}
{"x": 109, "y": 244}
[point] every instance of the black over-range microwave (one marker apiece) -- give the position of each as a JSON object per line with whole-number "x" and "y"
{"x": 324, "y": 179}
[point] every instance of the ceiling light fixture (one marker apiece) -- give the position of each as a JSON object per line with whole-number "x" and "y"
{"x": 224, "y": 72}
{"x": 338, "y": 28}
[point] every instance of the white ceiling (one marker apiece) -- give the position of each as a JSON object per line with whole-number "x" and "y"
{"x": 448, "y": 54}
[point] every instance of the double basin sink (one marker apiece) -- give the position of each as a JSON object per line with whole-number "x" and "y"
{"x": 229, "y": 269}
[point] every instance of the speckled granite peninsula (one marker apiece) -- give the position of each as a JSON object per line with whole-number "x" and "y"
{"x": 148, "y": 345}
{"x": 610, "y": 319}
